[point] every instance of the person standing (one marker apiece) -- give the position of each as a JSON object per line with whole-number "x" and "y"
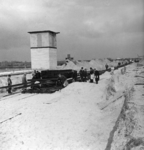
{"x": 106, "y": 66}
{"x": 9, "y": 82}
{"x": 24, "y": 81}
{"x": 96, "y": 73}
{"x": 112, "y": 70}
{"x": 81, "y": 74}
{"x": 74, "y": 75}
{"x": 85, "y": 75}
{"x": 38, "y": 75}
{"x": 91, "y": 75}
{"x": 33, "y": 79}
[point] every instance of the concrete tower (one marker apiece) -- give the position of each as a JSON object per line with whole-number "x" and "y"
{"x": 43, "y": 48}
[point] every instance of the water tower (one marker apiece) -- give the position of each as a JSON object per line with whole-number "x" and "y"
{"x": 43, "y": 48}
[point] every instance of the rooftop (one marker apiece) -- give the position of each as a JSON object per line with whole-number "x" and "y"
{"x": 43, "y": 31}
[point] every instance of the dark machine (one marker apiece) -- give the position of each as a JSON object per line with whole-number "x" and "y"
{"x": 53, "y": 74}
{"x": 47, "y": 81}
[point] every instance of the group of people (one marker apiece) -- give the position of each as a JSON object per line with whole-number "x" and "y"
{"x": 9, "y": 83}
{"x": 93, "y": 75}
{"x": 36, "y": 75}
{"x": 111, "y": 69}
{"x": 83, "y": 74}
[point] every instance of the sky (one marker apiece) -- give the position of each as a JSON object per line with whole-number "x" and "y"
{"x": 88, "y": 28}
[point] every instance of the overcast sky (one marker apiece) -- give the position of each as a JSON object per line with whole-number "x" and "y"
{"x": 88, "y": 28}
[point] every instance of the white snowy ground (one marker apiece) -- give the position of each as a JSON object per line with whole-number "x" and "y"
{"x": 76, "y": 118}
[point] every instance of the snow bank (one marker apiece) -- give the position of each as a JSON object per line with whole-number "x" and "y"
{"x": 70, "y": 65}
{"x": 116, "y": 83}
{"x": 66, "y": 120}
{"x": 70, "y": 119}
{"x": 95, "y": 63}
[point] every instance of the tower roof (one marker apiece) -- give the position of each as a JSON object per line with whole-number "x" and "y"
{"x": 43, "y": 31}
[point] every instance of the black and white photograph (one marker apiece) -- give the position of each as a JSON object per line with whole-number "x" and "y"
{"x": 71, "y": 74}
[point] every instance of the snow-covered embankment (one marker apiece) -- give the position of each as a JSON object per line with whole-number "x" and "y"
{"x": 80, "y": 117}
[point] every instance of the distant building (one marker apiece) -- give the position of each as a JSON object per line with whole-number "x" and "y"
{"x": 69, "y": 58}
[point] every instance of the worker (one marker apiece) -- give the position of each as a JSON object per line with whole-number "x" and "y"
{"x": 85, "y": 75}
{"x": 119, "y": 63}
{"x": 96, "y": 73}
{"x": 9, "y": 82}
{"x": 62, "y": 80}
{"x": 106, "y": 66}
{"x": 33, "y": 79}
{"x": 34, "y": 73}
{"x": 91, "y": 75}
{"x": 38, "y": 75}
{"x": 112, "y": 70}
{"x": 81, "y": 74}
{"x": 74, "y": 75}
{"x": 24, "y": 82}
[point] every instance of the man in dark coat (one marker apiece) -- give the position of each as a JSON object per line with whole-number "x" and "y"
{"x": 38, "y": 75}
{"x": 81, "y": 74}
{"x": 96, "y": 73}
{"x": 74, "y": 75}
{"x": 9, "y": 82}
{"x": 119, "y": 63}
{"x": 62, "y": 80}
{"x": 106, "y": 66}
{"x": 85, "y": 75}
{"x": 24, "y": 82}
